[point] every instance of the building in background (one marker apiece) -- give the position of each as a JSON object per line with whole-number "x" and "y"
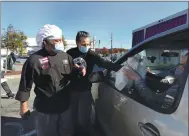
{"x": 4, "y": 51}
{"x": 70, "y": 44}
{"x": 32, "y": 45}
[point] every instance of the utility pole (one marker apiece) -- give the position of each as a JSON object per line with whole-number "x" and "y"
{"x": 99, "y": 46}
{"x": 111, "y": 47}
{"x": 121, "y": 50}
{"x": 94, "y": 42}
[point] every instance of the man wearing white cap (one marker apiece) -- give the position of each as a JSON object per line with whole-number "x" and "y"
{"x": 51, "y": 70}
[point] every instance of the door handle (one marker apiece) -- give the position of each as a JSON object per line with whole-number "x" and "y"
{"x": 148, "y": 129}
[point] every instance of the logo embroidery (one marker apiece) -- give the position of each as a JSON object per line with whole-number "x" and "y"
{"x": 65, "y": 62}
{"x": 44, "y": 62}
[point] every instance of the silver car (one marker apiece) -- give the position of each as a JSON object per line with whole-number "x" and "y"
{"x": 126, "y": 113}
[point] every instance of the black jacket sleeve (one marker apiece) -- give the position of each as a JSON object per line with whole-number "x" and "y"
{"x": 150, "y": 96}
{"x": 104, "y": 63}
{"x": 69, "y": 52}
{"x": 26, "y": 82}
{"x": 153, "y": 98}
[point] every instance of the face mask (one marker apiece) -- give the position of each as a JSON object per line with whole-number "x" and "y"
{"x": 84, "y": 49}
{"x": 59, "y": 47}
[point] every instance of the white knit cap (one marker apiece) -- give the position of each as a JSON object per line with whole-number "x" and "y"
{"x": 48, "y": 30}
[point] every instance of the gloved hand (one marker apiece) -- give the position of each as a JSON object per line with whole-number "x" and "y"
{"x": 25, "y": 115}
{"x": 168, "y": 79}
{"x": 81, "y": 65}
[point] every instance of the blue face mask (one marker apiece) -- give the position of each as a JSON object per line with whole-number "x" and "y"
{"x": 83, "y": 49}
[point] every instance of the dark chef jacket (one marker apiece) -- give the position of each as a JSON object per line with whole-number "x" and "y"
{"x": 51, "y": 76}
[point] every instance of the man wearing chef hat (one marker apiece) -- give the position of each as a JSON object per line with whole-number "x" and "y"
{"x": 51, "y": 70}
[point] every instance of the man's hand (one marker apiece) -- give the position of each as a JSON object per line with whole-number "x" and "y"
{"x": 22, "y": 112}
{"x": 130, "y": 74}
{"x": 81, "y": 68}
{"x": 23, "y": 108}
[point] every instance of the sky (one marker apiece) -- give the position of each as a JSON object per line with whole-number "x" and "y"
{"x": 100, "y": 19}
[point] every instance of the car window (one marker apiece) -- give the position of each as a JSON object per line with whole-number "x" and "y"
{"x": 160, "y": 69}
{"x": 154, "y": 61}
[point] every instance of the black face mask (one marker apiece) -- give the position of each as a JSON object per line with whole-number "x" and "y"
{"x": 50, "y": 45}
{"x": 59, "y": 47}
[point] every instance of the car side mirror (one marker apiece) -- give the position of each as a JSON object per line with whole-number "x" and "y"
{"x": 96, "y": 77}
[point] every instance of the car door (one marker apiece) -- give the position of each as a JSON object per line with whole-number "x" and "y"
{"x": 114, "y": 108}
{"x": 109, "y": 105}
{"x": 125, "y": 113}
{"x": 145, "y": 120}
{"x": 105, "y": 106}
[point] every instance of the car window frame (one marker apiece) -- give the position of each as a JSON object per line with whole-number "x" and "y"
{"x": 144, "y": 103}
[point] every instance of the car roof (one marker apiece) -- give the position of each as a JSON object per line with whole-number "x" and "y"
{"x": 167, "y": 41}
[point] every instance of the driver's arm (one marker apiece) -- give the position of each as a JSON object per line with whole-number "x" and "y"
{"x": 164, "y": 100}
{"x": 148, "y": 95}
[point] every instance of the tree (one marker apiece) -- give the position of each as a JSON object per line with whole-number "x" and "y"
{"x": 115, "y": 50}
{"x": 105, "y": 51}
{"x": 122, "y": 50}
{"x": 13, "y": 39}
{"x": 64, "y": 42}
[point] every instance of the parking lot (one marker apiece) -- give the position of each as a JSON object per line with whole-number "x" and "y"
{"x": 11, "y": 123}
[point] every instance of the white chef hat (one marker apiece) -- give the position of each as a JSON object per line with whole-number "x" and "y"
{"x": 51, "y": 31}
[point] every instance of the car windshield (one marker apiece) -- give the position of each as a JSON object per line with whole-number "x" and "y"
{"x": 156, "y": 60}
{"x": 161, "y": 59}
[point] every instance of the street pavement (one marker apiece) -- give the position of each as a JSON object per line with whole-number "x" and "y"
{"x": 18, "y": 67}
{"x": 11, "y": 123}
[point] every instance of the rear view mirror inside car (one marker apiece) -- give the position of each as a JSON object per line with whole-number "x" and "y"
{"x": 170, "y": 54}
{"x": 96, "y": 77}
